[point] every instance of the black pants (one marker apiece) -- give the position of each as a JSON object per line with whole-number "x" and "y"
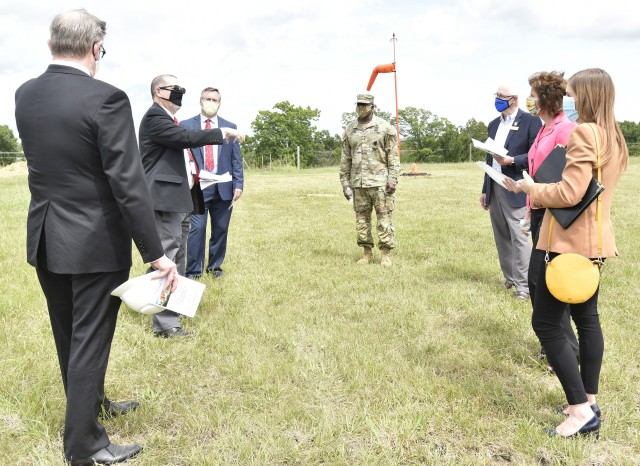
{"x": 534, "y": 264}
{"x": 83, "y": 318}
{"x": 547, "y": 317}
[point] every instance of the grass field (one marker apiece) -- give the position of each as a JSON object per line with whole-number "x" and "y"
{"x": 302, "y": 357}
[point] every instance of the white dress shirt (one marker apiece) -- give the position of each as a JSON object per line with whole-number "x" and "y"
{"x": 506, "y": 123}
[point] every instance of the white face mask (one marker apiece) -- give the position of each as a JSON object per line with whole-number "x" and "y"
{"x": 210, "y": 108}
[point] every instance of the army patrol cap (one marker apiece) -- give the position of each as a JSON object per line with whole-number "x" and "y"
{"x": 365, "y": 99}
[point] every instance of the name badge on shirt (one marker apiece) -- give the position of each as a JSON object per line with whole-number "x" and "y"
{"x": 514, "y": 128}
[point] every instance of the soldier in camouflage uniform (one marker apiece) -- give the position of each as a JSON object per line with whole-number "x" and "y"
{"x": 369, "y": 171}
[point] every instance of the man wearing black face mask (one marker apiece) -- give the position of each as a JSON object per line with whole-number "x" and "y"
{"x": 171, "y": 174}
{"x": 514, "y": 130}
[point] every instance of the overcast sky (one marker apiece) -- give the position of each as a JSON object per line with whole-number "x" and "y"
{"x": 450, "y": 55}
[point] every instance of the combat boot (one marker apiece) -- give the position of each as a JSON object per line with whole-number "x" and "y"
{"x": 367, "y": 258}
{"x": 386, "y": 258}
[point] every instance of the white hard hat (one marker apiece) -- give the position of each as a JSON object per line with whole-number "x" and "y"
{"x": 137, "y": 292}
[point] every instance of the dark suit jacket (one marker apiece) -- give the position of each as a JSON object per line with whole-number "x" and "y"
{"x": 162, "y": 145}
{"x": 229, "y": 159}
{"x": 85, "y": 176}
{"x": 518, "y": 143}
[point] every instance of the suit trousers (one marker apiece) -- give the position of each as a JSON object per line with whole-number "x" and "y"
{"x": 513, "y": 246}
{"x": 220, "y": 213}
{"x": 576, "y": 380}
{"x": 83, "y": 318}
{"x": 536, "y": 221}
{"x": 173, "y": 229}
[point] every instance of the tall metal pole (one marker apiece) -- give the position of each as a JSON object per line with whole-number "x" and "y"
{"x": 395, "y": 80}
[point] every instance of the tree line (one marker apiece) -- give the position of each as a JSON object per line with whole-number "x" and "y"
{"x": 425, "y": 137}
{"x": 277, "y": 133}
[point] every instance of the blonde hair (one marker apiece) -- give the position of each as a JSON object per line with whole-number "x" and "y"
{"x": 595, "y": 97}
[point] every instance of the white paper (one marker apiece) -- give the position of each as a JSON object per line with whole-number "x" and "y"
{"x": 149, "y": 296}
{"x": 207, "y": 178}
{"x": 495, "y": 175}
{"x": 492, "y": 147}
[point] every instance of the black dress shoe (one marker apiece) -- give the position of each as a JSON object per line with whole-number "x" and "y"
{"x": 217, "y": 272}
{"x": 592, "y": 427}
{"x": 173, "y": 333}
{"x": 110, "y": 454}
{"x": 112, "y": 408}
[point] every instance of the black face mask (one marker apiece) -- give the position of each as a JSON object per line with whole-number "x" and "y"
{"x": 175, "y": 97}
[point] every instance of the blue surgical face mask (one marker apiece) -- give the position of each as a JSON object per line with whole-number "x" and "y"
{"x": 501, "y": 104}
{"x": 569, "y": 107}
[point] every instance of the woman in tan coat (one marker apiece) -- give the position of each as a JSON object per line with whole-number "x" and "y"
{"x": 592, "y": 94}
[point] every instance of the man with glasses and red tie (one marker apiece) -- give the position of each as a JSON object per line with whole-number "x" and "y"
{"x": 218, "y": 198}
{"x": 171, "y": 174}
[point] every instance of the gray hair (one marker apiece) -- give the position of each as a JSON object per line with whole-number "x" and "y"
{"x": 160, "y": 81}
{"x": 74, "y": 33}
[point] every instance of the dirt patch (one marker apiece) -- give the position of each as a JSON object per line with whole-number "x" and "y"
{"x": 15, "y": 169}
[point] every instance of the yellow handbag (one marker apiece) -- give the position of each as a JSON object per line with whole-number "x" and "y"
{"x": 573, "y": 278}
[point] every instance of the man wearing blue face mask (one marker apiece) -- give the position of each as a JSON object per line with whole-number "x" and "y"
{"x": 515, "y": 130}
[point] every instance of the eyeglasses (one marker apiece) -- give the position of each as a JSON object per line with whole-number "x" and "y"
{"x": 210, "y": 99}
{"x": 174, "y": 88}
{"x": 504, "y": 97}
{"x": 103, "y": 52}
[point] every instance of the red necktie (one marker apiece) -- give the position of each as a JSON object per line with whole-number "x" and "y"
{"x": 196, "y": 176}
{"x": 209, "y": 163}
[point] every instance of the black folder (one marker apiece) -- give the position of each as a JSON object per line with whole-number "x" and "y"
{"x": 550, "y": 171}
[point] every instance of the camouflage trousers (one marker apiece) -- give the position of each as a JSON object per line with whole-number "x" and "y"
{"x": 366, "y": 199}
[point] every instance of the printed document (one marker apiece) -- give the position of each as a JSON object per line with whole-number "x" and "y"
{"x": 494, "y": 174}
{"x": 492, "y": 147}
{"x": 207, "y": 178}
{"x": 148, "y": 296}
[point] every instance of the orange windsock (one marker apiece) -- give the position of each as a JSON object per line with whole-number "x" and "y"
{"x": 388, "y": 68}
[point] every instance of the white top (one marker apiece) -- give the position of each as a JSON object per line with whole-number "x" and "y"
{"x": 506, "y": 123}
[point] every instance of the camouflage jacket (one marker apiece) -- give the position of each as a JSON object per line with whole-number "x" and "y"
{"x": 369, "y": 154}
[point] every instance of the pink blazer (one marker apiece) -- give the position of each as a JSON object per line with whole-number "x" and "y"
{"x": 582, "y": 236}
{"x": 556, "y": 132}
{"x": 549, "y": 136}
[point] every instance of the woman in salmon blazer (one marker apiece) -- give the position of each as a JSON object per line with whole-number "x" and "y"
{"x": 590, "y": 98}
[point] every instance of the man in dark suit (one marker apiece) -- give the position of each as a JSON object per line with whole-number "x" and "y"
{"x": 514, "y": 130}
{"x": 171, "y": 174}
{"x": 88, "y": 202}
{"x": 218, "y": 197}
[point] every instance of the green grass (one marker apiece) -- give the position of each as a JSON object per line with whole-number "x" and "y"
{"x": 302, "y": 357}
